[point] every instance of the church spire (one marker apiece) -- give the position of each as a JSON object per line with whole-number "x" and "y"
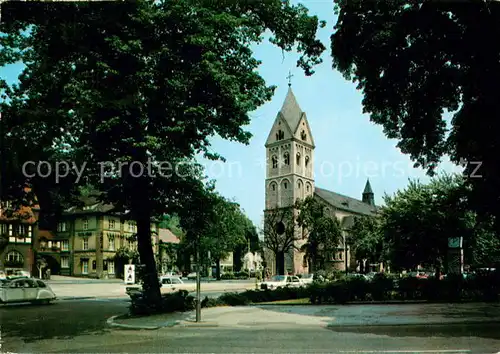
{"x": 368, "y": 196}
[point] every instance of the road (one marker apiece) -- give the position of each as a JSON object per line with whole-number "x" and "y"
{"x": 80, "y": 326}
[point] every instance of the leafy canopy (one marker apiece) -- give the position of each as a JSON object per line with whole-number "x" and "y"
{"x": 415, "y": 60}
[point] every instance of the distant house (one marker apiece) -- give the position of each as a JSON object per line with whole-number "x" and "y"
{"x": 17, "y": 230}
{"x": 87, "y": 240}
{"x": 167, "y": 257}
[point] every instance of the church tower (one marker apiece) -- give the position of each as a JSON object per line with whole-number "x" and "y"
{"x": 289, "y": 172}
{"x": 368, "y": 196}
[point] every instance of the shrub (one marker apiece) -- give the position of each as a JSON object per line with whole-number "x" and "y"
{"x": 227, "y": 276}
{"x": 381, "y": 287}
{"x": 234, "y": 299}
{"x": 179, "y": 301}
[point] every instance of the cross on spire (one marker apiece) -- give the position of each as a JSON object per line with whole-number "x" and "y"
{"x": 289, "y": 77}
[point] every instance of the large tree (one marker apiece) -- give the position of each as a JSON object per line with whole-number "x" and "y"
{"x": 321, "y": 230}
{"x": 143, "y": 83}
{"x": 280, "y": 234}
{"x": 415, "y": 60}
{"x": 366, "y": 240}
{"x": 418, "y": 221}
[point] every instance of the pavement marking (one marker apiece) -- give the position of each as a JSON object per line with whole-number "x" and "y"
{"x": 408, "y": 351}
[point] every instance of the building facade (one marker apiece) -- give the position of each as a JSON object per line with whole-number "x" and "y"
{"x": 17, "y": 230}
{"x": 88, "y": 240}
{"x": 290, "y": 177}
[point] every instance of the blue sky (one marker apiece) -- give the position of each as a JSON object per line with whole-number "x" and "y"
{"x": 349, "y": 148}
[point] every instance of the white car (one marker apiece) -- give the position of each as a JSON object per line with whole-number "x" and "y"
{"x": 26, "y": 290}
{"x": 307, "y": 278}
{"x": 170, "y": 282}
{"x": 282, "y": 281}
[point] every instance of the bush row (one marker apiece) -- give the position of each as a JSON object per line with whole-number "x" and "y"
{"x": 234, "y": 276}
{"x": 344, "y": 290}
{"x": 383, "y": 288}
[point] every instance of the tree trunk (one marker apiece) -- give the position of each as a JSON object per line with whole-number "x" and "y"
{"x": 280, "y": 263}
{"x": 217, "y": 269}
{"x": 151, "y": 284}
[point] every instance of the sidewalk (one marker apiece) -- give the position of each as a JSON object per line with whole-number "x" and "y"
{"x": 322, "y": 316}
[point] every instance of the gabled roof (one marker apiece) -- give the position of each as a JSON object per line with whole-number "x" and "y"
{"x": 167, "y": 236}
{"x": 291, "y": 111}
{"x": 90, "y": 205}
{"x": 345, "y": 203}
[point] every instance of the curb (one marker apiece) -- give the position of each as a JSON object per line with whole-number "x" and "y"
{"x": 198, "y": 324}
{"x": 111, "y": 322}
{"x": 77, "y": 298}
{"x": 427, "y": 324}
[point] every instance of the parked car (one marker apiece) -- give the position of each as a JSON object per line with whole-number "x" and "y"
{"x": 282, "y": 281}
{"x": 307, "y": 278}
{"x": 17, "y": 274}
{"x": 26, "y": 290}
{"x": 170, "y": 282}
{"x": 191, "y": 276}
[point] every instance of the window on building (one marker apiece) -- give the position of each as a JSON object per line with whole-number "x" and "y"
{"x": 303, "y": 135}
{"x": 306, "y": 161}
{"x": 65, "y": 245}
{"x": 280, "y": 135}
{"x": 273, "y": 187}
{"x": 85, "y": 266}
{"x": 61, "y": 227}
{"x": 297, "y": 158}
{"x": 30, "y": 231}
{"x": 85, "y": 224}
{"x": 4, "y": 229}
{"x": 341, "y": 256}
{"x": 111, "y": 267}
{"x": 64, "y": 262}
{"x": 85, "y": 245}
{"x": 111, "y": 243}
{"x": 11, "y": 232}
{"x": 275, "y": 161}
{"x": 14, "y": 256}
{"x": 286, "y": 158}
{"x": 111, "y": 224}
{"x": 130, "y": 226}
{"x": 285, "y": 185}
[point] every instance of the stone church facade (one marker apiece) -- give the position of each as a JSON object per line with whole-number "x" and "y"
{"x": 290, "y": 177}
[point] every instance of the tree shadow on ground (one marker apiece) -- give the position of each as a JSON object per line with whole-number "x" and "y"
{"x": 62, "y": 320}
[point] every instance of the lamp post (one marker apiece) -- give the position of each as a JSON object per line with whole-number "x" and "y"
{"x": 198, "y": 284}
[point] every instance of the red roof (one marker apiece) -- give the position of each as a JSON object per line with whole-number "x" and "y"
{"x": 167, "y": 236}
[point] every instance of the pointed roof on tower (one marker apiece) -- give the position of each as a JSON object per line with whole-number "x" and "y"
{"x": 368, "y": 187}
{"x": 291, "y": 110}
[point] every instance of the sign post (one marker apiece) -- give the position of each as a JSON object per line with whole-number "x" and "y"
{"x": 455, "y": 255}
{"x": 129, "y": 273}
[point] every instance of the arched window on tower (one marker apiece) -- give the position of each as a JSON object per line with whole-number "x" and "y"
{"x": 275, "y": 161}
{"x": 307, "y": 160}
{"x": 297, "y": 158}
{"x": 286, "y": 158}
{"x": 280, "y": 135}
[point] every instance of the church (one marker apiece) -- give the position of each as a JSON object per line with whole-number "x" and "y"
{"x": 290, "y": 177}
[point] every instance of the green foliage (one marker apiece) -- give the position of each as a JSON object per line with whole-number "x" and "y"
{"x": 417, "y": 222}
{"x": 143, "y": 82}
{"x": 322, "y": 230}
{"x": 366, "y": 239}
{"x": 414, "y": 60}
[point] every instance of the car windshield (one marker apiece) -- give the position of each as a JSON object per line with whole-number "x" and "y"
{"x": 278, "y": 278}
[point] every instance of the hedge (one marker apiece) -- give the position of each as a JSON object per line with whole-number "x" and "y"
{"x": 344, "y": 290}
